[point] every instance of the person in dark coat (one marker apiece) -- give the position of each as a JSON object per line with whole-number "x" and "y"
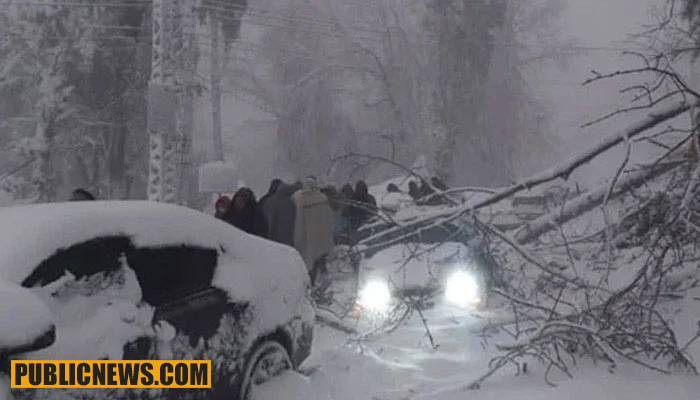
{"x": 333, "y": 196}
{"x": 434, "y": 195}
{"x": 221, "y": 206}
{"x": 281, "y": 213}
{"x": 297, "y": 186}
{"x": 439, "y": 184}
{"x": 425, "y": 189}
{"x": 245, "y": 214}
{"x": 414, "y": 190}
{"x": 347, "y": 192}
{"x": 364, "y": 205}
{"x": 274, "y": 185}
{"x": 82, "y": 195}
{"x": 343, "y": 223}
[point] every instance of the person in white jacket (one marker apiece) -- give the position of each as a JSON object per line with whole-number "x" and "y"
{"x": 314, "y": 226}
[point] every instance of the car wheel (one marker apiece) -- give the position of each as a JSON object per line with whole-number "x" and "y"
{"x": 267, "y": 360}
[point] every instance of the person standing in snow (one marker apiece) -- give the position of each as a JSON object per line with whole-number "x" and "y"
{"x": 314, "y": 225}
{"x": 343, "y": 230}
{"x": 221, "y": 207}
{"x": 245, "y": 214}
{"x": 281, "y": 213}
{"x": 414, "y": 190}
{"x": 274, "y": 185}
{"x": 435, "y": 197}
{"x": 364, "y": 205}
{"x": 439, "y": 184}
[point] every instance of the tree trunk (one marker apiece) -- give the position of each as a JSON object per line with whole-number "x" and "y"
{"x": 43, "y": 173}
{"x": 215, "y": 90}
{"x": 161, "y": 104}
{"x": 117, "y": 154}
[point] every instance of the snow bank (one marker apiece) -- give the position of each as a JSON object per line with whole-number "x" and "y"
{"x": 30, "y": 317}
{"x": 292, "y": 385}
{"x": 270, "y": 276}
{"x": 403, "y": 365}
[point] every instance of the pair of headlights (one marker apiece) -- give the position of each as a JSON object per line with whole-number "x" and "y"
{"x": 461, "y": 289}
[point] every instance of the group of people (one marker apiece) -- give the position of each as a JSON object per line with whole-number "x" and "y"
{"x": 303, "y": 215}
{"x": 310, "y": 218}
{"x": 427, "y": 194}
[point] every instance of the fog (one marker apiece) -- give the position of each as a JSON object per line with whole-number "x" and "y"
{"x": 480, "y": 93}
{"x": 599, "y": 31}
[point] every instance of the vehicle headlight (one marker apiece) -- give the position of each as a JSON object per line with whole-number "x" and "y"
{"x": 462, "y": 289}
{"x": 375, "y": 296}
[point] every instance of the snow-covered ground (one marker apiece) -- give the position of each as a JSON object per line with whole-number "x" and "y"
{"x": 403, "y": 365}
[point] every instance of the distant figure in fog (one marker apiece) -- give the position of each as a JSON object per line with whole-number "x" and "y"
{"x": 221, "y": 206}
{"x": 436, "y": 197}
{"x": 274, "y": 185}
{"x": 313, "y": 231}
{"x": 439, "y": 184}
{"x": 82, "y": 195}
{"x": 364, "y": 205}
{"x": 245, "y": 214}
{"x": 425, "y": 189}
{"x": 343, "y": 216}
{"x": 332, "y": 195}
{"x": 280, "y": 211}
{"x": 297, "y": 186}
{"x": 338, "y": 203}
{"x": 414, "y": 190}
{"x": 392, "y": 188}
{"x": 347, "y": 192}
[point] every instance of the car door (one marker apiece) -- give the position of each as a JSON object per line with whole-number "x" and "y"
{"x": 176, "y": 280}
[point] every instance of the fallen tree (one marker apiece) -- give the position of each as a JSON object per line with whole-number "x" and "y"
{"x": 589, "y": 201}
{"x": 563, "y": 304}
{"x": 561, "y": 172}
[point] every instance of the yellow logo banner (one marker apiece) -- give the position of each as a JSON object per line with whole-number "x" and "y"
{"x": 110, "y": 374}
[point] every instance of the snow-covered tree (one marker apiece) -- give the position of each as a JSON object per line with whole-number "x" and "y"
{"x": 43, "y": 44}
{"x": 72, "y": 68}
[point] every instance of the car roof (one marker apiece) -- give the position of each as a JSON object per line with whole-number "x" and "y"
{"x": 31, "y": 233}
{"x": 268, "y": 275}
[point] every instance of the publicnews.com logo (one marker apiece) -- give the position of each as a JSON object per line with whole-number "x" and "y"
{"x": 110, "y": 374}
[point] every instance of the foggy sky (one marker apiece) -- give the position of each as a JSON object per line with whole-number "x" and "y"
{"x": 604, "y": 26}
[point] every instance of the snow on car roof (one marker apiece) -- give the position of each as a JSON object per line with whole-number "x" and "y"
{"x": 269, "y": 275}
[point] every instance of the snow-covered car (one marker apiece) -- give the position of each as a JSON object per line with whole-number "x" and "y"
{"x": 141, "y": 280}
{"x": 449, "y": 272}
